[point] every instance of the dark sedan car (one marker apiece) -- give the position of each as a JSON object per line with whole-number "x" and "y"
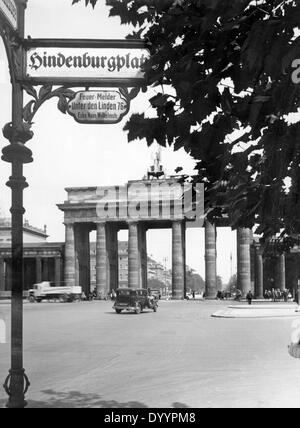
{"x": 134, "y": 300}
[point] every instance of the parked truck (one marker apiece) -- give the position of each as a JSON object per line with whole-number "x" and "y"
{"x": 44, "y": 291}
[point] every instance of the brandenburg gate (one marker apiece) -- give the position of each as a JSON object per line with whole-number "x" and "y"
{"x": 137, "y": 207}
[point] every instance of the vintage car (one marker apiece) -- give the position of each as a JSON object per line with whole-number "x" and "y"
{"x": 134, "y": 300}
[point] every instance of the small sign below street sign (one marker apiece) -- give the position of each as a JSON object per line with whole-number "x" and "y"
{"x": 98, "y": 107}
{"x": 9, "y": 11}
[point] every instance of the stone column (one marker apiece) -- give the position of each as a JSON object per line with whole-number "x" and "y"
{"x": 38, "y": 270}
{"x": 143, "y": 255}
{"x": 57, "y": 267}
{"x": 69, "y": 274}
{"x": 2, "y": 277}
{"x": 210, "y": 260}
{"x": 280, "y": 282}
{"x": 259, "y": 264}
{"x": 112, "y": 257}
{"x": 178, "y": 261}
{"x": 45, "y": 269}
{"x": 252, "y": 265}
{"x": 82, "y": 255}
{"x": 101, "y": 261}
{"x": 243, "y": 260}
{"x": 134, "y": 274}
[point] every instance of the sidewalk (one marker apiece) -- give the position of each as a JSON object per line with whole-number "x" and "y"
{"x": 259, "y": 311}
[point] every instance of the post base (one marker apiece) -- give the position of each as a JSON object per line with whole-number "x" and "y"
{"x": 16, "y": 386}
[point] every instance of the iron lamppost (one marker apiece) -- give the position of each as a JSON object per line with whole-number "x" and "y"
{"x": 16, "y": 153}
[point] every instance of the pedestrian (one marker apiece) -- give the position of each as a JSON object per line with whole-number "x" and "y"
{"x": 151, "y": 298}
{"x": 238, "y": 295}
{"x": 95, "y": 293}
{"x": 278, "y": 295}
{"x": 249, "y": 297}
{"x": 193, "y": 294}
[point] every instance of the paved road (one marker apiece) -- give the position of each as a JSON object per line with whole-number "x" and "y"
{"x": 84, "y": 355}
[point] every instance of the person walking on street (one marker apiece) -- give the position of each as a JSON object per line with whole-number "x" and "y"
{"x": 249, "y": 297}
{"x": 113, "y": 295}
{"x": 238, "y": 295}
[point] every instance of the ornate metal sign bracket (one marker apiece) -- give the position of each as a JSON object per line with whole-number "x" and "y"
{"x": 64, "y": 94}
{"x": 14, "y": 51}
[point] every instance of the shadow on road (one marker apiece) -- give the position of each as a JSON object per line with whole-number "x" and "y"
{"x": 75, "y": 399}
{"x": 130, "y": 313}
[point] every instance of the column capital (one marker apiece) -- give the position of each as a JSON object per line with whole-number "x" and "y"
{"x": 69, "y": 223}
{"x": 133, "y": 222}
{"x": 177, "y": 220}
{"x": 100, "y": 225}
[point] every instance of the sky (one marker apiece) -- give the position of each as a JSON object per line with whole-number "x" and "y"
{"x": 68, "y": 154}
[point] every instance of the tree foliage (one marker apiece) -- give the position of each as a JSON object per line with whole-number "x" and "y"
{"x": 222, "y": 71}
{"x": 194, "y": 281}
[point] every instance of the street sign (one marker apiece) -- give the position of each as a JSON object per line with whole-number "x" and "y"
{"x": 98, "y": 107}
{"x": 9, "y": 11}
{"x": 85, "y": 62}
